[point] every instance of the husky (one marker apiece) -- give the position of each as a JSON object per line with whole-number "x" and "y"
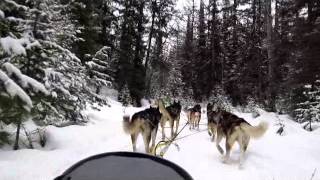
{"x": 234, "y": 128}
{"x": 145, "y": 122}
{"x": 212, "y": 121}
{"x": 171, "y": 114}
{"x": 194, "y": 116}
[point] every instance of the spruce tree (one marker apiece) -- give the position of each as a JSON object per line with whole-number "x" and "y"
{"x": 308, "y": 109}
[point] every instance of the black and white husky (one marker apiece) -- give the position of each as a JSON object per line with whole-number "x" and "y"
{"x": 145, "y": 122}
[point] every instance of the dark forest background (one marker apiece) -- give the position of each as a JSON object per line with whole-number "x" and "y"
{"x": 258, "y": 52}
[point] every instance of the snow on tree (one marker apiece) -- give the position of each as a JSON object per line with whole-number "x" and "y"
{"x": 124, "y": 96}
{"x": 15, "y": 101}
{"x": 102, "y": 69}
{"x": 17, "y": 88}
{"x": 220, "y": 99}
{"x": 167, "y": 78}
{"x": 42, "y": 79}
{"x": 308, "y": 111}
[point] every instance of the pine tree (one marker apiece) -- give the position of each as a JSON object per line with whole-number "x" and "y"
{"x": 47, "y": 59}
{"x": 102, "y": 70}
{"x": 309, "y": 109}
{"x": 298, "y": 50}
{"x": 201, "y": 88}
{"x": 214, "y": 47}
{"x": 126, "y": 60}
{"x": 187, "y": 55}
{"x": 159, "y": 67}
{"x": 124, "y": 96}
{"x": 17, "y": 90}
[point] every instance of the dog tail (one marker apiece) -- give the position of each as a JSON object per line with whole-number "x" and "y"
{"x": 128, "y": 126}
{"x": 255, "y": 131}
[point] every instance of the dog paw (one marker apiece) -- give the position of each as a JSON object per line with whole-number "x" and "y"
{"x": 225, "y": 160}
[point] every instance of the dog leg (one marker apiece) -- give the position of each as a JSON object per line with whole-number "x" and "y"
{"x": 171, "y": 127}
{"x": 146, "y": 140}
{"x": 209, "y": 131}
{"x": 190, "y": 124}
{"x": 227, "y": 156}
{"x": 219, "y": 138}
{"x": 193, "y": 122}
{"x": 177, "y": 124}
{"x": 241, "y": 141}
{"x": 229, "y": 143}
{"x": 198, "y": 121}
{"x": 153, "y": 137}
{"x": 241, "y": 157}
{"x": 213, "y": 133}
{"x": 244, "y": 141}
{"x": 163, "y": 122}
{"x": 189, "y": 119}
{"x": 134, "y": 140}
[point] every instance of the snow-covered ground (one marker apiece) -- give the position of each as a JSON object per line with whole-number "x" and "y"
{"x": 294, "y": 156}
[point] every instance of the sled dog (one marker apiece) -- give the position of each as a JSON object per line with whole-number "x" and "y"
{"x": 145, "y": 122}
{"x": 234, "y": 128}
{"x": 171, "y": 114}
{"x": 212, "y": 121}
{"x": 194, "y": 116}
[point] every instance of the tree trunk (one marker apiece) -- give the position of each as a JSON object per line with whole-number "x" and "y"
{"x": 154, "y": 6}
{"x": 212, "y": 38}
{"x": 139, "y": 45}
{"x": 16, "y": 143}
{"x": 270, "y": 52}
{"x": 148, "y": 71}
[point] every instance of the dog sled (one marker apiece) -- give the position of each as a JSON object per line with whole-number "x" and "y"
{"x": 124, "y": 166}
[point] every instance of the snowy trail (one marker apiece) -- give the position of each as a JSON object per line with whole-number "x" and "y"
{"x": 294, "y": 156}
{"x": 271, "y": 157}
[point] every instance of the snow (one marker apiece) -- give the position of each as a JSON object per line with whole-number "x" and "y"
{"x": 18, "y": 46}
{"x": 18, "y": 6}
{"x": 14, "y": 90}
{"x": 294, "y": 156}
{"x": 13, "y": 46}
{"x": 54, "y": 94}
{"x": 33, "y": 44}
{"x": 308, "y": 86}
{"x": 52, "y": 74}
{"x": 36, "y": 85}
{"x": 92, "y": 64}
{"x": 12, "y": 70}
{"x": 25, "y": 81}
{"x": 1, "y": 14}
{"x": 70, "y": 54}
